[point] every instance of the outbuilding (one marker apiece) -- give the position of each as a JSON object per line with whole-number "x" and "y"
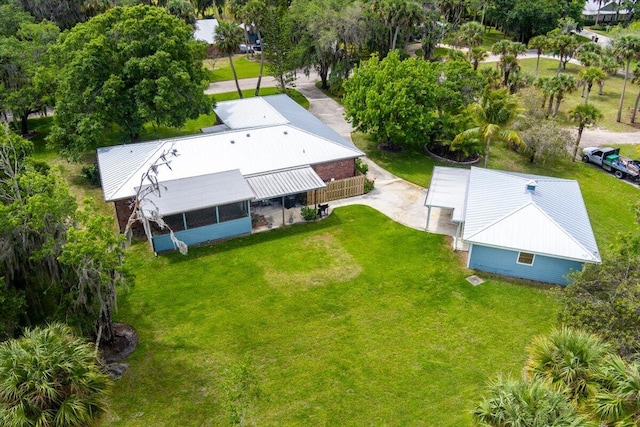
{"x": 520, "y": 225}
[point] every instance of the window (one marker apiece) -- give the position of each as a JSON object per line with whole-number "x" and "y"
{"x": 525, "y": 258}
{"x": 176, "y": 222}
{"x": 232, "y": 211}
{"x": 201, "y": 217}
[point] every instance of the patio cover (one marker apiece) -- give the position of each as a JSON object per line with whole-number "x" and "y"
{"x": 284, "y": 182}
{"x": 198, "y": 192}
{"x": 448, "y": 190}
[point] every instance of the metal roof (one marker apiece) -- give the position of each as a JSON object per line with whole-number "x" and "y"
{"x": 205, "y": 30}
{"x": 249, "y": 113}
{"x": 448, "y": 189}
{"x": 252, "y": 151}
{"x": 302, "y": 119}
{"x": 189, "y": 194}
{"x": 550, "y": 220}
{"x": 281, "y": 183}
{"x": 116, "y": 163}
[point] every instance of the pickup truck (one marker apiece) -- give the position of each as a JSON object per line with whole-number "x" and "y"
{"x": 611, "y": 160}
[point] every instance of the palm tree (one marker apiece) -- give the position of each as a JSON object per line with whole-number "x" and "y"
{"x": 539, "y": 43}
{"x": 568, "y": 359}
{"x": 254, "y": 12}
{"x": 228, "y": 37}
{"x": 508, "y": 52}
{"x": 583, "y": 115}
{"x": 562, "y": 85}
{"x": 470, "y": 34}
{"x": 626, "y": 47}
{"x": 562, "y": 45}
{"x": 636, "y": 80}
{"x": 588, "y": 76}
{"x": 523, "y": 403}
{"x": 542, "y": 83}
{"x": 610, "y": 66}
{"x": 618, "y": 401}
{"x": 478, "y": 55}
{"x": 495, "y": 112}
{"x": 49, "y": 377}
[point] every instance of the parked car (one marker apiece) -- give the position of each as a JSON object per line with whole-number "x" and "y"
{"x": 245, "y": 49}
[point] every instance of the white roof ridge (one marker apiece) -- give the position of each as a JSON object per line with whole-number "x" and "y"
{"x": 291, "y": 168}
{"x": 564, "y": 230}
{"x": 354, "y": 148}
{"x": 546, "y": 215}
{"x": 502, "y": 218}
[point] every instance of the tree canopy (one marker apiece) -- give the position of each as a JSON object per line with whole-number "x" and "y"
{"x": 57, "y": 263}
{"x": 127, "y": 66}
{"x": 604, "y": 298}
{"x": 392, "y": 99}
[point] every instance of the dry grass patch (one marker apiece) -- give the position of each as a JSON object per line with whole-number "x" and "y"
{"x": 327, "y": 262}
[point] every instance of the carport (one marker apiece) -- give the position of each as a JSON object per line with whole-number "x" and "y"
{"x": 448, "y": 190}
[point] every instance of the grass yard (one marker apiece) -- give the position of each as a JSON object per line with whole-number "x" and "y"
{"x": 246, "y": 67}
{"x": 355, "y": 320}
{"x": 607, "y": 103}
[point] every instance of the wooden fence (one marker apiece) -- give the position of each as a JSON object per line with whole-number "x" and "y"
{"x": 339, "y": 189}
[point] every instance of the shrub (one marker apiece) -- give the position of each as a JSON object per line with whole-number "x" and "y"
{"x": 92, "y": 174}
{"x": 308, "y": 213}
{"x": 368, "y": 185}
{"x": 362, "y": 167}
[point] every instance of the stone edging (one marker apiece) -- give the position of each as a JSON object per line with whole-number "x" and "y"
{"x": 452, "y": 162}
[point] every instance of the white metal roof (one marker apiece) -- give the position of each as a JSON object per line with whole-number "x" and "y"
{"x": 189, "y": 194}
{"x": 205, "y": 30}
{"x": 249, "y": 113}
{"x": 253, "y": 151}
{"x": 551, "y": 220}
{"x": 280, "y": 183}
{"x": 448, "y": 189}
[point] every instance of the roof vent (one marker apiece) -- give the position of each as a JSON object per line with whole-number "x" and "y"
{"x": 232, "y": 141}
{"x": 248, "y": 135}
{"x": 531, "y": 186}
{"x": 286, "y": 133}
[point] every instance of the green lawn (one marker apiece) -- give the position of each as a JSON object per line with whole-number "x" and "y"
{"x": 607, "y": 103}
{"x": 355, "y": 320}
{"x": 246, "y": 67}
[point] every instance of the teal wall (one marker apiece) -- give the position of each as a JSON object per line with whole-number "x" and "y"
{"x": 504, "y": 262}
{"x": 204, "y": 234}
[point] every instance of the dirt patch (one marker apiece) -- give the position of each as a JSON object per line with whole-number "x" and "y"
{"x": 124, "y": 342}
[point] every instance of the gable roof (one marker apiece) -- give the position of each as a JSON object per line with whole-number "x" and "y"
{"x": 252, "y": 150}
{"x": 550, "y": 220}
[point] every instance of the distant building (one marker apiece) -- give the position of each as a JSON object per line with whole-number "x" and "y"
{"x": 605, "y": 12}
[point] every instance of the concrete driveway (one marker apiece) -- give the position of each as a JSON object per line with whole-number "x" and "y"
{"x": 400, "y": 200}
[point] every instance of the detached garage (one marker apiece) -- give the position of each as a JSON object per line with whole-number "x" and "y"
{"x": 526, "y": 226}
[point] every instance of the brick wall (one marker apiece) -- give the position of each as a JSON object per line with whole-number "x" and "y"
{"x": 123, "y": 212}
{"x": 337, "y": 170}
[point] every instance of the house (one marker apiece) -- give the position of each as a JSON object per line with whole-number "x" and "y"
{"x": 264, "y": 149}
{"x": 605, "y": 11}
{"x": 526, "y": 226}
{"x": 205, "y": 30}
